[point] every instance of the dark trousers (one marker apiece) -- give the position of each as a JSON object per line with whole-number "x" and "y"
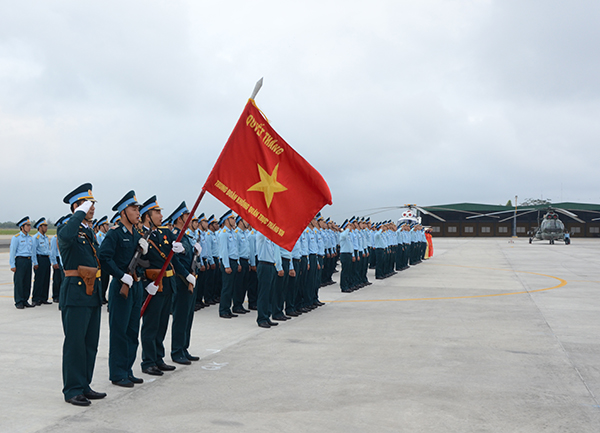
{"x": 104, "y": 281}
{"x": 200, "y": 288}
{"x": 81, "y": 326}
{"x": 311, "y": 281}
{"x": 266, "y": 274}
{"x": 124, "y": 321}
{"x": 291, "y": 295}
{"x": 241, "y": 285}
{"x": 301, "y": 276}
{"x": 280, "y": 291}
{"x": 252, "y": 287}
{"x": 22, "y": 279}
{"x": 227, "y": 287}
{"x": 155, "y": 323}
{"x": 380, "y": 263}
{"x": 184, "y": 302}
{"x": 41, "y": 282}
{"x": 345, "y": 280}
{"x": 58, "y": 276}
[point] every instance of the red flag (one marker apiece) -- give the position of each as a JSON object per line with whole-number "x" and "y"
{"x": 264, "y": 180}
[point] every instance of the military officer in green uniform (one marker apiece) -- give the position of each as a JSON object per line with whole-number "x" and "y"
{"x": 116, "y": 252}
{"x": 184, "y": 299}
{"x": 156, "y": 316}
{"x": 80, "y": 300}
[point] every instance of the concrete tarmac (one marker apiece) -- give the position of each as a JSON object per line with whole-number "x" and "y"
{"x": 487, "y": 336}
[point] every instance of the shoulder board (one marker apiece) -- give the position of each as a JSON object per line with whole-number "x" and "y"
{"x": 38, "y": 236}
{"x": 17, "y": 235}
{"x": 236, "y": 230}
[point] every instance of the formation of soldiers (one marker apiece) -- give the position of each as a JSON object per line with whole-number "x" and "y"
{"x": 217, "y": 261}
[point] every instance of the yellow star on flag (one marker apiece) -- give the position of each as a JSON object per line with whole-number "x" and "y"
{"x": 268, "y": 184}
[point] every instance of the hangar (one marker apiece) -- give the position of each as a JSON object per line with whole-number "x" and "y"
{"x": 457, "y": 223}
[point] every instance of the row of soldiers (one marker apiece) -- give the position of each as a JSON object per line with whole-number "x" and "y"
{"x": 216, "y": 261}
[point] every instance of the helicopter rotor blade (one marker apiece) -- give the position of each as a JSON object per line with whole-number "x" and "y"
{"x": 569, "y": 214}
{"x": 489, "y": 214}
{"x": 518, "y": 215}
{"x": 430, "y": 213}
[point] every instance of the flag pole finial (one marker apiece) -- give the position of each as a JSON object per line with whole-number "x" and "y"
{"x": 256, "y": 88}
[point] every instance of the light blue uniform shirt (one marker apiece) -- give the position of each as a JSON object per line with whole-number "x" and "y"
{"x": 346, "y": 242}
{"x": 304, "y": 242}
{"x": 21, "y": 245}
{"x": 228, "y": 247}
{"x": 252, "y": 247}
{"x": 214, "y": 243}
{"x": 379, "y": 240}
{"x": 100, "y": 237}
{"x": 296, "y": 251}
{"x": 320, "y": 242}
{"x": 313, "y": 247}
{"x": 243, "y": 246}
{"x": 54, "y": 253}
{"x": 285, "y": 254}
{"x": 41, "y": 246}
{"x": 267, "y": 251}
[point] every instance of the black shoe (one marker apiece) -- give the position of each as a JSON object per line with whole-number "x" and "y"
{"x": 238, "y": 311}
{"x": 166, "y": 367}
{"x": 183, "y": 361}
{"x": 264, "y": 324}
{"x": 192, "y": 357}
{"x": 252, "y": 307}
{"x": 125, "y": 383}
{"x": 93, "y": 395}
{"x": 197, "y": 307}
{"x": 346, "y": 291}
{"x": 28, "y": 305}
{"x": 281, "y": 318}
{"x": 305, "y": 309}
{"x": 292, "y": 314}
{"x": 273, "y": 323}
{"x": 55, "y": 300}
{"x": 227, "y": 316}
{"x": 247, "y": 311}
{"x": 20, "y": 307}
{"x": 136, "y": 380}
{"x": 46, "y": 302}
{"x": 79, "y": 400}
{"x": 37, "y": 303}
{"x": 153, "y": 370}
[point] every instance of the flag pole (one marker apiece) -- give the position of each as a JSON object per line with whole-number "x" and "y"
{"x": 256, "y": 88}
{"x": 170, "y": 256}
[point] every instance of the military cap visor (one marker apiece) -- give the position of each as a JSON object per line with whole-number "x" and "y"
{"x": 128, "y": 199}
{"x": 150, "y": 204}
{"x": 24, "y": 221}
{"x": 116, "y": 218}
{"x": 181, "y": 209}
{"x": 83, "y": 192}
{"x": 103, "y": 220}
{"x": 40, "y": 222}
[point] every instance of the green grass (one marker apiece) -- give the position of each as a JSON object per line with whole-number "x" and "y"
{"x": 50, "y": 232}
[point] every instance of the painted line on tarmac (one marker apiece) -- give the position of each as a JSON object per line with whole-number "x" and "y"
{"x": 561, "y": 284}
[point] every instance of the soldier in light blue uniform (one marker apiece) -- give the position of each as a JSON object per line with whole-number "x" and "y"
{"x": 205, "y": 265}
{"x": 268, "y": 269}
{"x": 41, "y": 263}
{"x": 241, "y": 278}
{"x": 21, "y": 250}
{"x": 347, "y": 257}
{"x": 214, "y": 292}
{"x": 228, "y": 251}
{"x": 281, "y": 285}
{"x": 58, "y": 273}
{"x": 252, "y": 276}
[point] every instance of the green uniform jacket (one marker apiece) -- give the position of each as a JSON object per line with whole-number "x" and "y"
{"x": 78, "y": 245}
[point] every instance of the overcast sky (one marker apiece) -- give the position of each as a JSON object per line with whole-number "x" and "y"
{"x": 427, "y": 102}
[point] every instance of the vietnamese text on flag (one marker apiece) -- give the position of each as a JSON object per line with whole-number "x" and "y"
{"x": 264, "y": 180}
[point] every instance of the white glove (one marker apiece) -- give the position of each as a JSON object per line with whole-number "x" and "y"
{"x": 85, "y": 206}
{"x": 127, "y": 279}
{"x": 152, "y": 288}
{"x": 197, "y": 248}
{"x": 178, "y": 247}
{"x": 144, "y": 244}
{"x": 191, "y": 279}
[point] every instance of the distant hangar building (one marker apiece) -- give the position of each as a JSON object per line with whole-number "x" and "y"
{"x": 458, "y": 225}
